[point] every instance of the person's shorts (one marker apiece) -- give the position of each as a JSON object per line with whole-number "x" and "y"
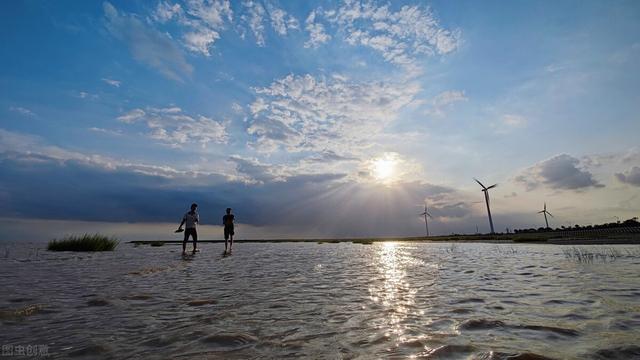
{"x": 192, "y": 232}
{"x": 228, "y": 231}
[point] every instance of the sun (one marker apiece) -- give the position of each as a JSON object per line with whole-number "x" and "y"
{"x": 384, "y": 169}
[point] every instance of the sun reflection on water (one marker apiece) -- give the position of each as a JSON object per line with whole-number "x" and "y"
{"x": 391, "y": 289}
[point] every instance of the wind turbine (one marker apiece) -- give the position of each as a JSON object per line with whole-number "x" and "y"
{"x": 425, "y": 214}
{"x": 545, "y": 212}
{"x": 486, "y": 198}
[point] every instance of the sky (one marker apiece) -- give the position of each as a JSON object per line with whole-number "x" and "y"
{"x": 316, "y": 119}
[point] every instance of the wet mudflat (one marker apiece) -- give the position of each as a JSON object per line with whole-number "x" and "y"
{"x": 384, "y": 300}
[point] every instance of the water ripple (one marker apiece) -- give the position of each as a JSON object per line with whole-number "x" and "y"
{"x": 385, "y": 300}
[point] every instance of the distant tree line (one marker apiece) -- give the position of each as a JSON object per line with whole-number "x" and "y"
{"x": 614, "y": 225}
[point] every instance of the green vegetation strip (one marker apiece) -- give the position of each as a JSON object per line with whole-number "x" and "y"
{"x": 86, "y": 242}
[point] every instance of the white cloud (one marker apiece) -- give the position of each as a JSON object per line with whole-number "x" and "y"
{"x": 281, "y": 22}
{"x": 86, "y": 95}
{"x": 317, "y": 33}
{"x": 399, "y": 36}
{"x": 147, "y": 45}
{"x": 203, "y": 21}
{"x": 304, "y": 113}
{"x": 514, "y": 120}
{"x": 212, "y": 13}
{"x": 32, "y": 148}
{"x": 22, "y": 111}
{"x": 237, "y": 108}
{"x": 509, "y": 122}
{"x": 167, "y": 110}
{"x": 112, "y": 82}
{"x": 201, "y": 40}
{"x": 106, "y": 131}
{"x": 444, "y": 100}
{"x": 255, "y": 19}
{"x": 632, "y": 156}
{"x": 449, "y": 97}
{"x": 131, "y": 116}
{"x": 166, "y": 11}
{"x": 172, "y": 127}
{"x": 256, "y": 16}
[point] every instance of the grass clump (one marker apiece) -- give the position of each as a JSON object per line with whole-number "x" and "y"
{"x": 86, "y": 242}
{"x": 362, "y": 241}
{"x": 589, "y": 255}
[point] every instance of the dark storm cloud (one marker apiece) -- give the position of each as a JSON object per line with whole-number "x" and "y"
{"x": 561, "y": 172}
{"x": 331, "y": 204}
{"x": 456, "y": 210}
{"x": 36, "y": 186}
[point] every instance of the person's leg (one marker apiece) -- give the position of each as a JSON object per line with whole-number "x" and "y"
{"x": 226, "y": 238}
{"x": 231, "y": 233}
{"x": 194, "y": 235}
{"x": 184, "y": 242}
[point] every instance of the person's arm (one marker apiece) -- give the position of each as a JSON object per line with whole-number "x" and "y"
{"x": 198, "y": 218}
{"x": 184, "y": 218}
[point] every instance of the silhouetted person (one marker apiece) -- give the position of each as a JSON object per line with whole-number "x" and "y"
{"x": 227, "y": 221}
{"x": 190, "y": 220}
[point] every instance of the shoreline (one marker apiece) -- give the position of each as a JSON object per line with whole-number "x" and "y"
{"x": 542, "y": 238}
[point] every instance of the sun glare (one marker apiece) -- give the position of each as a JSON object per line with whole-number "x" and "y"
{"x": 384, "y": 169}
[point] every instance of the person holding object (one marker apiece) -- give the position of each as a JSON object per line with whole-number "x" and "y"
{"x": 227, "y": 221}
{"x": 190, "y": 220}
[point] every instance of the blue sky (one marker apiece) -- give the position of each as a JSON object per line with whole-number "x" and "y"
{"x": 316, "y": 118}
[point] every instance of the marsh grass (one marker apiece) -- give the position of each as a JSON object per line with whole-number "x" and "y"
{"x": 589, "y": 255}
{"x": 15, "y": 314}
{"x": 504, "y": 250}
{"x": 86, "y": 242}
{"x": 635, "y": 252}
{"x": 362, "y": 241}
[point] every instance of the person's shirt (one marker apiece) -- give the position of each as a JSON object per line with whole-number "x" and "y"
{"x": 227, "y": 220}
{"x": 191, "y": 219}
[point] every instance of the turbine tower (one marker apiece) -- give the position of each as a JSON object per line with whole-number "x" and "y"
{"x": 545, "y": 212}
{"x": 486, "y": 199}
{"x": 425, "y": 214}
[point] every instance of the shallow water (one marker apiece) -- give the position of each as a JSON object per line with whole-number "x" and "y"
{"x": 386, "y": 300}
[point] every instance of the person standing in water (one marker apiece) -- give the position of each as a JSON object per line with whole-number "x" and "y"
{"x": 227, "y": 221}
{"x": 190, "y": 220}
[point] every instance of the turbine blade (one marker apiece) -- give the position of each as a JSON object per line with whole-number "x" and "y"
{"x": 492, "y": 186}
{"x": 549, "y": 214}
{"x": 478, "y": 181}
{"x": 540, "y": 212}
{"x": 423, "y": 214}
{"x": 429, "y": 215}
{"x": 545, "y": 206}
